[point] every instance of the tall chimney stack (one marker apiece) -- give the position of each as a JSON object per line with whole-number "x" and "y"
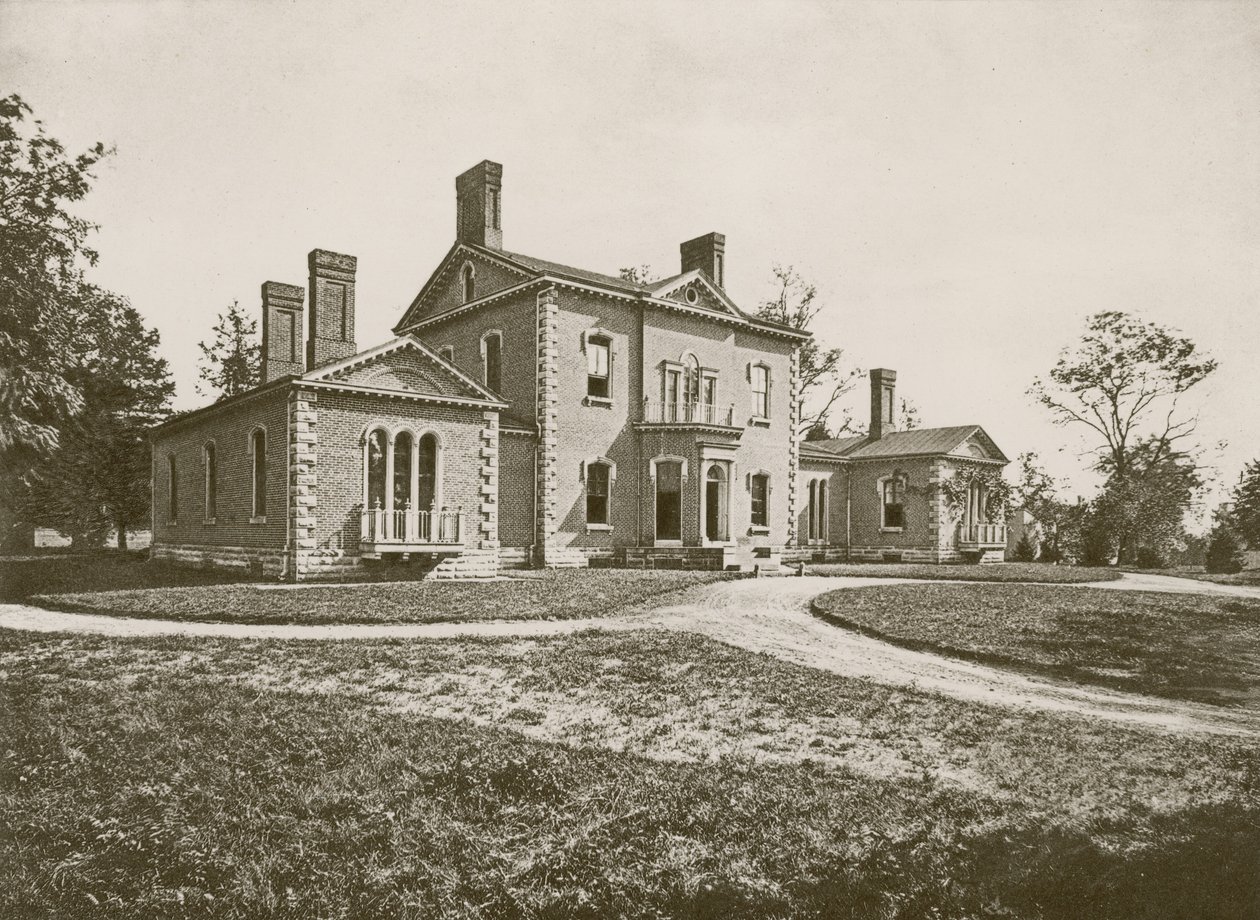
{"x": 331, "y": 335}
{"x": 707, "y": 253}
{"x": 478, "y": 205}
{"x": 883, "y": 402}
{"x": 281, "y": 330}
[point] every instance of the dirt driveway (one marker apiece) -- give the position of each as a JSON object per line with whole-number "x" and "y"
{"x": 770, "y": 616}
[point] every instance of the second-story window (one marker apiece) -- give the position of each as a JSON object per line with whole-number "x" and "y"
{"x": 492, "y": 347}
{"x": 598, "y": 350}
{"x": 761, "y": 390}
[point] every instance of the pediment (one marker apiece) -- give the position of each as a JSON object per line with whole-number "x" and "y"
{"x": 694, "y": 289}
{"x": 979, "y": 445}
{"x": 445, "y": 288}
{"x": 405, "y": 365}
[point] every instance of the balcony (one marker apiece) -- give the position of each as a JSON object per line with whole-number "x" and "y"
{"x": 694, "y": 414}
{"x": 981, "y": 536}
{"x": 407, "y": 531}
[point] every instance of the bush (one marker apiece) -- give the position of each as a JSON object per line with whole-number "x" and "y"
{"x": 1149, "y": 557}
{"x": 1026, "y": 548}
{"x": 1224, "y": 552}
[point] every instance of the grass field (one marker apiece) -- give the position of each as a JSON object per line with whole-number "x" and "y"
{"x": 102, "y": 571}
{"x": 1184, "y": 646}
{"x": 1000, "y": 572}
{"x": 550, "y": 595}
{"x": 637, "y": 775}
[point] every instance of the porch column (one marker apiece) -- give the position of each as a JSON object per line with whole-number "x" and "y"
{"x": 389, "y": 489}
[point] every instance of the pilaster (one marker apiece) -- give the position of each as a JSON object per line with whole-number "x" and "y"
{"x": 548, "y": 424}
{"x": 794, "y": 450}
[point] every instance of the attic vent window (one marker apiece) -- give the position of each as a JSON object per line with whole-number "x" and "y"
{"x": 691, "y": 295}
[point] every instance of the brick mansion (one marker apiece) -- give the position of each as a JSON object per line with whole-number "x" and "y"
{"x": 529, "y": 413}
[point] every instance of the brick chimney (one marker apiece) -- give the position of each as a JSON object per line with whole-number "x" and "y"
{"x": 883, "y": 402}
{"x": 331, "y": 336}
{"x": 707, "y": 253}
{"x": 281, "y": 330}
{"x": 478, "y": 205}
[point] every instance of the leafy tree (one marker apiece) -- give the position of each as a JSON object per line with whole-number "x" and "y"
{"x": 231, "y": 361}
{"x": 824, "y": 379}
{"x": 1037, "y": 493}
{"x": 1246, "y": 511}
{"x": 818, "y": 432}
{"x": 1224, "y": 552}
{"x": 1123, "y": 381}
{"x": 43, "y": 248}
{"x": 638, "y": 274}
{"x": 98, "y": 475}
{"x": 1026, "y": 548}
{"x": 908, "y": 417}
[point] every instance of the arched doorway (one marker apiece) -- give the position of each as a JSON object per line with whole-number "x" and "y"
{"x": 715, "y": 504}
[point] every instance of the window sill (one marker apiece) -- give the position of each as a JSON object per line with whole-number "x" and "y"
{"x": 891, "y": 529}
{"x": 758, "y": 530}
{"x": 598, "y": 401}
{"x": 759, "y": 421}
{"x": 599, "y": 528}
{"x": 210, "y": 521}
{"x": 667, "y": 543}
{"x": 258, "y": 519}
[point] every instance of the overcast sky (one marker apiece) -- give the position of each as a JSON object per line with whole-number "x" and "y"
{"x": 965, "y": 183}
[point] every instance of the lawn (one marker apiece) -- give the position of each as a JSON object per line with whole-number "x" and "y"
{"x": 1183, "y": 646}
{"x": 547, "y": 595}
{"x": 645, "y": 774}
{"x": 103, "y": 571}
{"x": 1001, "y": 572}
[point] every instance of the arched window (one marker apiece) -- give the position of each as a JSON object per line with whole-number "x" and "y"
{"x": 402, "y": 470}
{"x": 691, "y": 380}
{"x": 468, "y": 281}
{"x": 376, "y": 448}
{"x": 759, "y": 490}
{"x": 426, "y": 482}
{"x": 817, "y": 528}
{"x": 492, "y": 359}
{"x": 597, "y": 482}
{"x": 892, "y": 503}
{"x": 172, "y": 489}
{"x": 210, "y": 469}
{"x": 258, "y": 456}
{"x": 447, "y": 353}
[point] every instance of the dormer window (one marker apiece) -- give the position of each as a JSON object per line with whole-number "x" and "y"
{"x": 468, "y": 277}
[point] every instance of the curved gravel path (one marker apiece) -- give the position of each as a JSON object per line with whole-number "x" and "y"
{"x": 770, "y": 616}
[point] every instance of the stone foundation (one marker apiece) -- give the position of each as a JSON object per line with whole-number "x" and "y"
{"x": 266, "y": 562}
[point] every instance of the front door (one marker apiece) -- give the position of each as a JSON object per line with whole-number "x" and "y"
{"x": 715, "y": 505}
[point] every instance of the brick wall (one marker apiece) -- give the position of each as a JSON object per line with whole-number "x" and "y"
{"x": 489, "y": 277}
{"x": 516, "y": 489}
{"x": 229, "y": 429}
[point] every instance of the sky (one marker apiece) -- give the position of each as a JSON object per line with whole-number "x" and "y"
{"x": 964, "y": 183}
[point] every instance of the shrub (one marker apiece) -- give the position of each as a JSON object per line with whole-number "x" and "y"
{"x": 1026, "y": 548}
{"x": 1224, "y": 552}
{"x": 1149, "y": 557}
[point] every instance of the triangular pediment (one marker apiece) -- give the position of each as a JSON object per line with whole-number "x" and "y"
{"x": 407, "y": 366}
{"x": 694, "y": 289}
{"x": 444, "y": 290}
{"x": 980, "y": 446}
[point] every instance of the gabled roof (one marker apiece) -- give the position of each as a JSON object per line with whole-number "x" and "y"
{"x": 695, "y": 277}
{"x": 916, "y": 442}
{"x": 404, "y": 365}
{"x": 533, "y": 269}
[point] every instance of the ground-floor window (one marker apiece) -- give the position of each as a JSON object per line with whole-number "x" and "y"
{"x": 892, "y": 495}
{"x": 817, "y": 525}
{"x": 669, "y": 500}
{"x": 760, "y": 494}
{"x": 597, "y": 493}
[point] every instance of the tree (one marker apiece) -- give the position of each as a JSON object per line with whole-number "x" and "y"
{"x": 98, "y": 475}
{"x": 823, "y": 377}
{"x": 1123, "y": 381}
{"x": 1224, "y": 552}
{"x": 1026, "y": 548}
{"x": 1246, "y": 511}
{"x": 231, "y": 362}
{"x": 638, "y": 274}
{"x": 1037, "y": 493}
{"x": 43, "y": 248}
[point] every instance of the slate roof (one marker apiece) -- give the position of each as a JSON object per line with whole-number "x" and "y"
{"x": 916, "y": 442}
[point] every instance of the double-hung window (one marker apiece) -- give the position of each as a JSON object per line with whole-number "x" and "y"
{"x": 597, "y": 493}
{"x": 761, "y": 391}
{"x": 760, "y": 500}
{"x": 598, "y": 367}
{"x": 893, "y": 502}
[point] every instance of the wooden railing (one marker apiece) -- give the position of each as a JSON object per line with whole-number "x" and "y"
{"x": 687, "y": 413}
{"x": 379, "y": 525}
{"x": 982, "y": 534}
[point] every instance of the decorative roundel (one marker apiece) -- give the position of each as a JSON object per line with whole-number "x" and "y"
{"x": 691, "y": 295}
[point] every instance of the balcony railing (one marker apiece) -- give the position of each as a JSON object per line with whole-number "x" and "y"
{"x": 687, "y": 413}
{"x": 977, "y": 535}
{"x": 379, "y": 527}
